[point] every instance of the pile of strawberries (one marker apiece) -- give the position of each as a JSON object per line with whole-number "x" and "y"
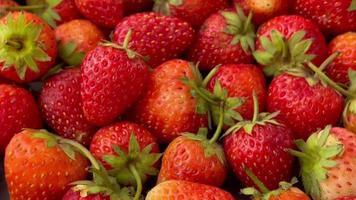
{"x": 164, "y": 99}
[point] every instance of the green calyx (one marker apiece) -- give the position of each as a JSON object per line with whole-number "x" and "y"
{"x": 69, "y": 53}
{"x": 162, "y": 6}
{"x": 45, "y": 9}
{"x": 280, "y": 54}
{"x": 241, "y": 28}
{"x": 352, "y": 6}
{"x": 316, "y": 157}
{"x": 19, "y": 45}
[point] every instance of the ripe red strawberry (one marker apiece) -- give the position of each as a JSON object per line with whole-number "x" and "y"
{"x": 194, "y": 12}
{"x": 28, "y": 47}
{"x": 350, "y": 116}
{"x": 4, "y": 6}
{"x": 113, "y": 78}
{"x": 289, "y": 41}
{"x": 168, "y": 109}
{"x": 332, "y": 174}
{"x": 347, "y": 198}
{"x": 18, "y": 110}
{"x": 332, "y": 17}
{"x": 39, "y": 165}
{"x": 345, "y": 44}
{"x": 134, "y": 6}
{"x": 76, "y": 38}
{"x": 61, "y": 106}
{"x": 159, "y": 38}
{"x": 223, "y": 40}
{"x": 75, "y": 195}
{"x": 265, "y": 10}
{"x": 184, "y": 190}
{"x": 105, "y": 13}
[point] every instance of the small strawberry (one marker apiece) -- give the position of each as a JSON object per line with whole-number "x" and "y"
{"x": 27, "y": 47}
{"x": 40, "y": 165}
{"x": 225, "y": 37}
{"x": 18, "y": 110}
{"x": 345, "y": 44}
{"x": 328, "y": 160}
{"x": 76, "y": 38}
{"x": 5, "y": 5}
{"x": 194, "y": 12}
{"x": 157, "y": 37}
{"x": 333, "y": 17}
{"x": 105, "y": 13}
{"x": 168, "y": 108}
{"x": 113, "y": 78}
{"x": 61, "y": 106}
{"x": 288, "y": 41}
{"x": 134, "y": 6}
{"x": 184, "y": 190}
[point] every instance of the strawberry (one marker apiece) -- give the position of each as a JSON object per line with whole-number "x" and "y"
{"x": 225, "y": 37}
{"x": 345, "y": 44}
{"x": 113, "y": 78}
{"x": 40, "y": 165}
{"x": 62, "y": 107}
{"x": 159, "y": 38}
{"x": 28, "y": 47}
{"x": 105, "y": 13}
{"x": 168, "y": 109}
{"x": 347, "y": 198}
{"x": 328, "y": 160}
{"x": 134, "y": 6}
{"x": 350, "y": 116}
{"x": 5, "y": 5}
{"x": 184, "y": 190}
{"x": 75, "y": 195}
{"x": 332, "y": 17}
{"x": 289, "y": 41}
{"x": 194, "y": 12}
{"x": 18, "y": 110}
{"x": 76, "y": 38}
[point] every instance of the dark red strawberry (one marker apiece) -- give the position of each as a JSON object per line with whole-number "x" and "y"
{"x": 333, "y": 17}
{"x": 5, "y": 5}
{"x": 28, "y": 47}
{"x": 225, "y": 37}
{"x": 289, "y": 41}
{"x": 105, "y": 13}
{"x": 61, "y": 106}
{"x": 18, "y": 110}
{"x": 159, "y": 38}
{"x": 194, "y": 12}
{"x": 134, "y": 6}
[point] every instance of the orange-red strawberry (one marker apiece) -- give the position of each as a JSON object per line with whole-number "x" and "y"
{"x": 5, "y": 5}
{"x": 28, "y": 47}
{"x": 18, "y": 110}
{"x": 168, "y": 108}
{"x": 39, "y": 165}
{"x": 157, "y": 37}
{"x": 76, "y": 38}
{"x": 184, "y": 190}
{"x": 347, "y": 198}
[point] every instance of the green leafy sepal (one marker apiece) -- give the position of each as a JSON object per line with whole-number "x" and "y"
{"x": 162, "y": 6}
{"x": 352, "y": 6}
{"x": 47, "y": 12}
{"x": 69, "y": 53}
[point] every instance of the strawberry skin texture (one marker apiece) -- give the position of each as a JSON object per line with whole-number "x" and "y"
{"x": 346, "y": 198}
{"x": 168, "y": 109}
{"x": 72, "y": 195}
{"x": 263, "y": 152}
{"x": 287, "y": 25}
{"x": 5, "y": 4}
{"x": 303, "y": 107}
{"x": 185, "y": 159}
{"x": 184, "y": 190}
{"x": 68, "y": 11}
{"x": 332, "y": 17}
{"x": 290, "y": 194}
{"x": 346, "y": 45}
{"x": 61, "y": 106}
{"x": 18, "y": 110}
{"x": 111, "y": 83}
{"x": 240, "y": 80}
{"x": 156, "y": 36}
{"x": 105, "y": 13}
{"x": 213, "y": 45}
{"x": 36, "y": 171}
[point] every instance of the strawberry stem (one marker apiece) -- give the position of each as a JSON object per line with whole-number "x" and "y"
{"x": 210, "y": 75}
{"x": 28, "y": 7}
{"x": 134, "y": 172}
{"x": 256, "y": 181}
{"x": 255, "y": 107}
{"x": 127, "y": 39}
{"x": 218, "y": 130}
{"x": 14, "y": 44}
{"x": 328, "y": 61}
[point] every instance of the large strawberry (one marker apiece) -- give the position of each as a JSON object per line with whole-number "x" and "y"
{"x": 27, "y": 47}
{"x": 40, "y": 165}
{"x": 76, "y": 38}
{"x": 113, "y": 77}
{"x": 5, "y": 5}
{"x": 61, "y": 106}
{"x": 333, "y": 17}
{"x": 18, "y": 110}
{"x": 157, "y": 37}
{"x": 184, "y": 190}
{"x": 289, "y": 41}
{"x": 168, "y": 108}
{"x": 225, "y": 37}
{"x": 328, "y": 160}
{"x": 193, "y": 11}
